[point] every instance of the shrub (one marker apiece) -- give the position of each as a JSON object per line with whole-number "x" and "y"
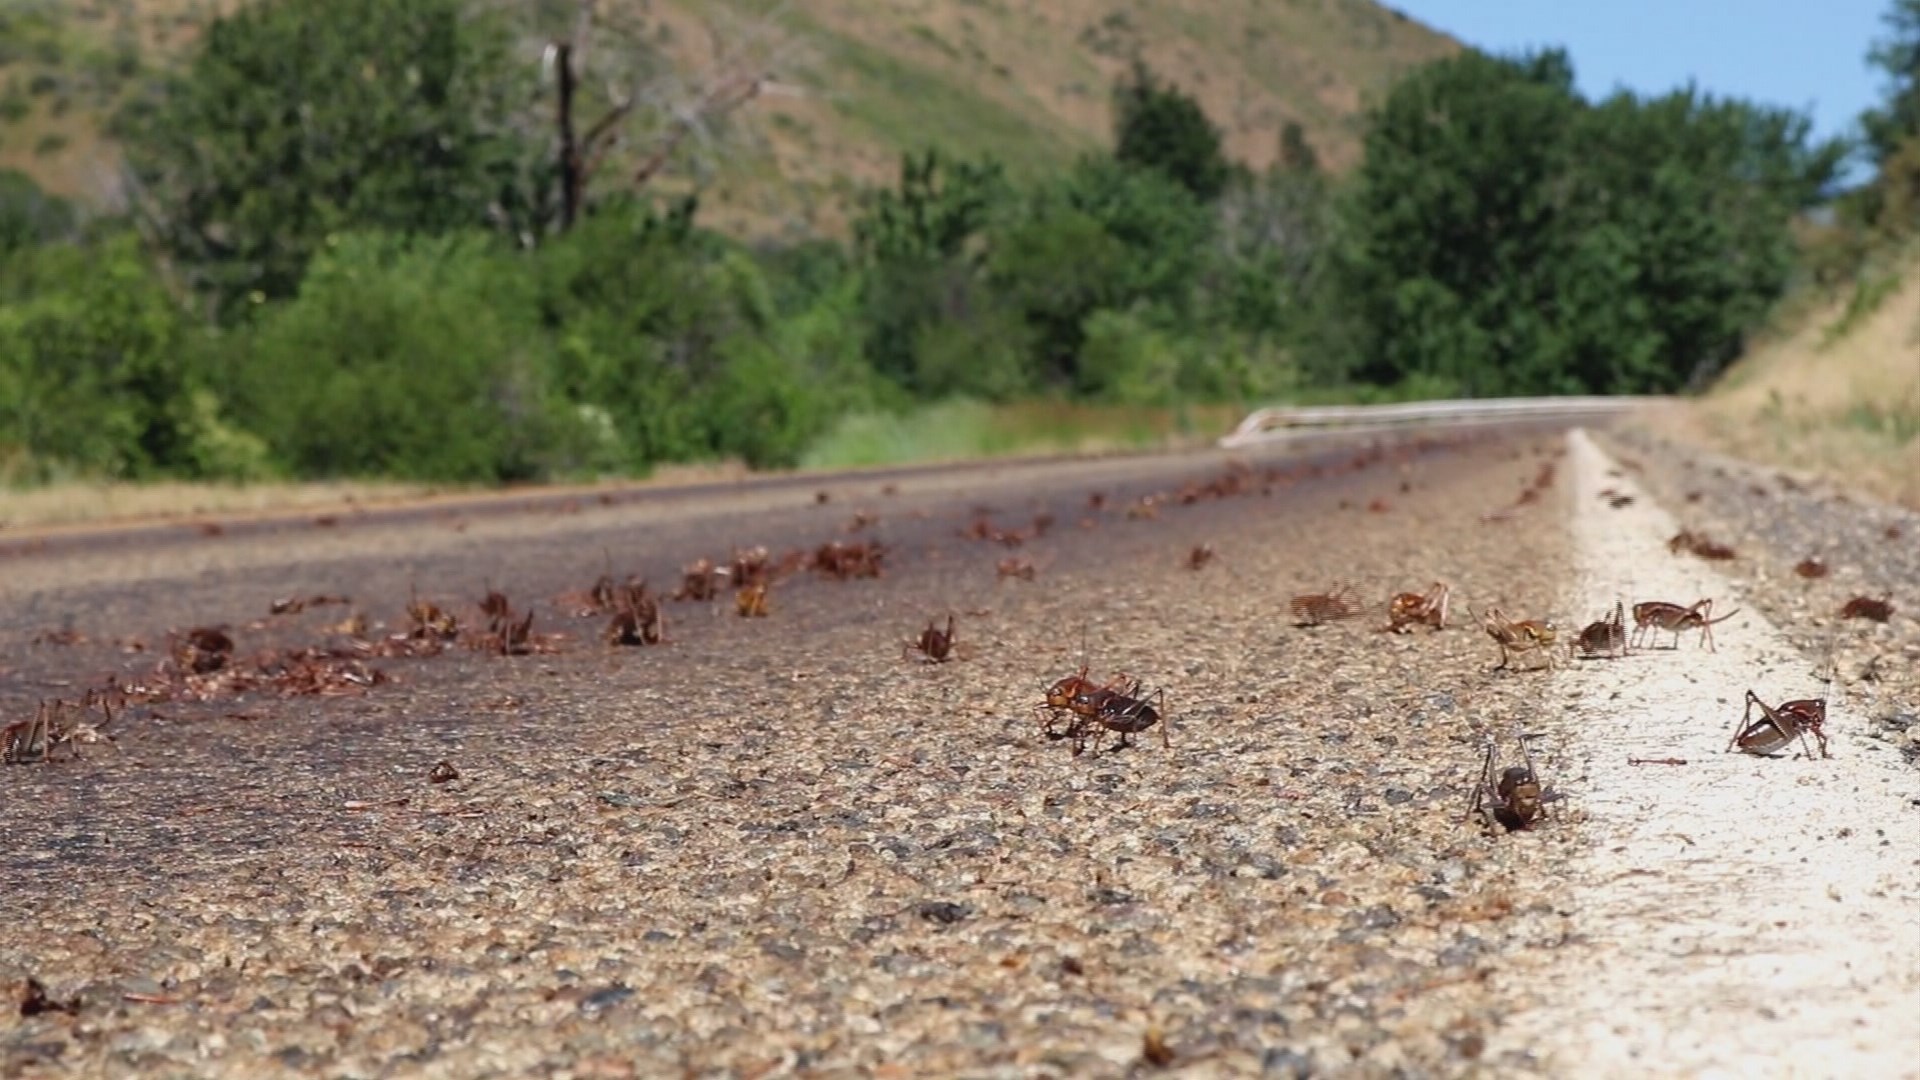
{"x": 95, "y": 374}
{"x": 420, "y": 359}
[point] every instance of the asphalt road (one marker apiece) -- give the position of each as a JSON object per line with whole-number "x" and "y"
{"x": 777, "y": 844}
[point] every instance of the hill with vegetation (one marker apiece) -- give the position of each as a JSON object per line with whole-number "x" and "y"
{"x": 496, "y": 240}
{"x": 856, "y": 83}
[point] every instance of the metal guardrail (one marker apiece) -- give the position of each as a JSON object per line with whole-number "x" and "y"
{"x": 1286, "y": 422}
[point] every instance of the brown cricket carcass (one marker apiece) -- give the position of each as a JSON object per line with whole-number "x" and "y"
{"x": 429, "y": 621}
{"x": 202, "y": 649}
{"x": 1878, "y": 609}
{"x": 699, "y": 581}
{"x": 638, "y": 618}
{"x": 1410, "y": 609}
{"x": 1313, "y": 609}
{"x": 1699, "y": 544}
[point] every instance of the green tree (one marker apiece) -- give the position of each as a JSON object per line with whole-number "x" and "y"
{"x": 935, "y": 209}
{"x": 919, "y": 250}
{"x": 1897, "y": 56}
{"x": 1104, "y": 236}
{"x": 299, "y": 119}
{"x": 1272, "y": 239}
{"x": 1451, "y": 236}
{"x": 1677, "y": 220}
{"x": 1504, "y": 236}
{"x": 1158, "y": 126}
{"x": 683, "y": 343}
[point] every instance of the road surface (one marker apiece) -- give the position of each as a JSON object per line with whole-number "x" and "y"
{"x": 778, "y": 845}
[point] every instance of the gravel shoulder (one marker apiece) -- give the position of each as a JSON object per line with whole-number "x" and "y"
{"x": 1784, "y": 525}
{"x": 1733, "y": 915}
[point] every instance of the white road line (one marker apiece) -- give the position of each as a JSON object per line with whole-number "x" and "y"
{"x": 1738, "y": 916}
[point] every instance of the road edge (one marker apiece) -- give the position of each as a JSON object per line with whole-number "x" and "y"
{"x": 1733, "y": 915}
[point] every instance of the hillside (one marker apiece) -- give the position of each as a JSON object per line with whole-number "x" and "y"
{"x": 1835, "y": 392}
{"x": 1026, "y": 80}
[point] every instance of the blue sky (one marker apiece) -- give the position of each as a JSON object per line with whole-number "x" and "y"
{"x": 1804, "y": 54}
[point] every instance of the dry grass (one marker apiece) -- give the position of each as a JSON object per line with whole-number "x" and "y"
{"x": 1833, "y": 396}
{"x": 75, "y": 503}
{"x": 78, "y": 503}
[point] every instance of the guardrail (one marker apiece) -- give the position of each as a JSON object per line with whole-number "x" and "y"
{"x": 1286, "y": 422}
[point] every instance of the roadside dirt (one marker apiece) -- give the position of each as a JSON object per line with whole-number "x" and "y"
{"x": 1732, "y": 915}
{"x": 776, "y": 845}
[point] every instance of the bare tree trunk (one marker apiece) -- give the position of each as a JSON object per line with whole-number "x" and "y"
{"x": 742, "y": 71}
{"x": 573, "y": 176}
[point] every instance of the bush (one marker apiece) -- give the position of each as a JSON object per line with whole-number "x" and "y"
{"x": 1127, "y": 360}
{"x": 688, "y": 349}
{"x": 985, "y": 355}
{"x": 95, "y": 374}
{"x": 417, "y": 359}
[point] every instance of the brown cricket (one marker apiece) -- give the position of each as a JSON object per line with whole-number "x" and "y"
{"x": 1607, "y": 637}
{"x": 751, "y": 601}
{"x": 1779, "y": 725}
{"x": 1515, "y": 799}
{"x": 1521, "y": 636}
{"x": 1124, "y": 711}
{"x": 934, "y": 645}
{"x": 1652, "y": 615}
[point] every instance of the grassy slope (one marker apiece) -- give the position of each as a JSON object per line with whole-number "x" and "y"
{"x": 1834, "y": 392}
{"x": 1026, "y": 80}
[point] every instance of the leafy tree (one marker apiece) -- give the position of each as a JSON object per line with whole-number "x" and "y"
{"x": 1273, "y": 235}
{"x": 918, "y": 250}
{"x": 1451, "y": 219}
{"x": 1158, "y": 126}
{"x": 688, "y": 349}
{"x": 1682, "y": 202}
{"x": 937, "y": 207}
{"x": 1504, "y": 236}
{"x": 1105, "y": 236}
{"x": 299, "y": 119}
{"x": 1897, "y": 55}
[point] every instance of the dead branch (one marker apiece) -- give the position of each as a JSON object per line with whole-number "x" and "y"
{"x": 742, "y": 69}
